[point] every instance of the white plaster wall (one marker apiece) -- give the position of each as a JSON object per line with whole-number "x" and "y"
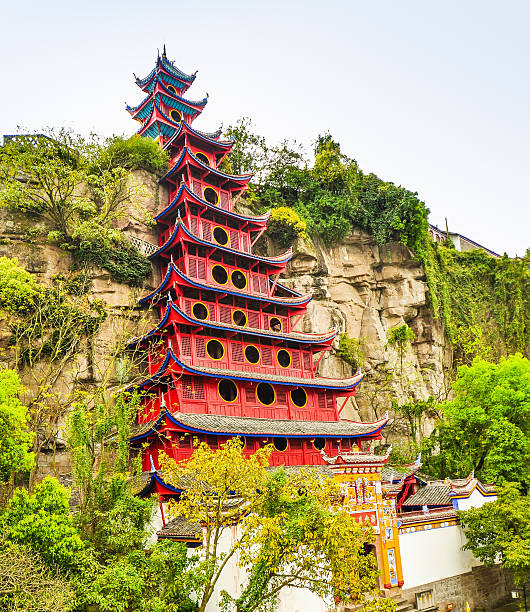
{"x": 475, "y": 500}
{"x": 433, "y": 555}
{"x": 301, "y": 600}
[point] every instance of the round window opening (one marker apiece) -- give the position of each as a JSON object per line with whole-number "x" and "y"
{"x": 299, "y": 397}
{"x": 220, "y": 275}
{"x": 202, "y": 157}
{"x": 176, "y": 116}
{"x": 210, "y": 195}
{"x": 200, "y": 311}
{"x": 275, "y": 324}
{"x": 215, "y": 349}
{"x": 319, "y": 443}
{"x": 172, "y": 89}
{"x": 239, "y": 280}
{"x": 284, "y": 358}
{"x": 228, "y": 390}
{"x": 280, "y": 444}
{"x": 239, "y": 318}
{"x": 265, "y": 394}
{"x": 252, "y": 354}
{"x": 220, "y": 235}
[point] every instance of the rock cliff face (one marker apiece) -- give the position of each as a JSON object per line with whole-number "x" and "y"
{"x": 361, "y": 288}
{"x": 365, "y": 290}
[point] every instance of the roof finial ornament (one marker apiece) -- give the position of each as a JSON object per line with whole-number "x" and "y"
{"x": 164, "y": 51}
{"x": 153, "y": 469}
{"x": 418, "y": 459}
{"x": 163, "y": 401}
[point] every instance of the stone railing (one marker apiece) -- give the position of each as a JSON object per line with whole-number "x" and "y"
{"x": 147, "y": 248}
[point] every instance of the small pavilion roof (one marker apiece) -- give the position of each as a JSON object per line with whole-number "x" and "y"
{"x": 181, "y": 529}
{"x": 442, "y": 492}
{"x": 323, "y": 339}
{"x": 171, "y": 364}
{"x": 185, "y": 192}
{"x": 173, "y": 273}
{"x": 398, "y": 473}
{"x": 255, "y": 427}
{"x": 360, "y": 458}
{"x": 431, "y": 516}
{"x": 180, "y": 231}
{"x": 187, "y": 157}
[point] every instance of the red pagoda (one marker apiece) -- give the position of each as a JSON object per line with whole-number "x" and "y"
{"x": 226, "y": 358}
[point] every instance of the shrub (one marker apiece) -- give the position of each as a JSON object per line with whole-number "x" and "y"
{"x": 350, "y": 350}
{"x": 285, "y": 226}
{"x": 18, "y": 288}
{"x": 136, "y": 153}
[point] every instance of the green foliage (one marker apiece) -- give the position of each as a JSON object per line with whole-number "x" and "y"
{"x": 43, "y": 523}
{"x": 486, "y": 428}
{"x": 135, "y": 153}
{"x": 80, "y": 189}
{"x": 350, "y": 350}
{"x": 18, "y": 288}
{"x": 500, "y": 531}
{"x": 399, "y": 338}
{"x": 285, "y": 226}
{"x": 124, "y": 262}
{"x": 15, "y": 437}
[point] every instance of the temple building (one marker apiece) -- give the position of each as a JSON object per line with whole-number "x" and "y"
{"x": 227, "y": 358}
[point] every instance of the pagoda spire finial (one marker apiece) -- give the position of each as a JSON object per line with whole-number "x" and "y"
{"x": 164, "y": 51}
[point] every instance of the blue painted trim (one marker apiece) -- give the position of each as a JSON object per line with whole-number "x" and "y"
{"x": 218, "y": 247}
{"x": 210, "y": 206}
{"x": 231, "y": 177}
{"x": 270, "y": 300}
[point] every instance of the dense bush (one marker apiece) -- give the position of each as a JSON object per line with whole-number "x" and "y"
{"x": 135, "y": 153}
{"x": 18, "y": 288}
{"x": 285, "y": 226}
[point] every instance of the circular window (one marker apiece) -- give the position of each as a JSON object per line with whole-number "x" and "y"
{"x": 265, "y": 394}
{"x": 220, "y": 235}
{"x": 202, "y": 157}
{"x": 176, "y": 116}
{"x": 227, "y": 390}
{"x": 284, "y": 358}
{"x": 239, "y": 318}
{"x": 252, "y": 354}
{"x": 172, "y": 89}
{"x": 210, "y": 195}
{"x": 319, "y": 443}
{"x": 215, "y": 349}
{"x": 280, "y": 444}
{"x": 299, "y": 397}
{"x": 239, "y": 279}
{"x": 275, "y": 324}
{"x": 200, "y": 311}
{"x": 220, "y": 275}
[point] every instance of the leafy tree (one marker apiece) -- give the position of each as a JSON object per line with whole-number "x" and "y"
{"x": 350, "y": 350}
{"x": 286, "y": 536}
{"x": 133, "y": 153}
{"x": 15, "y": 436}
{"x": 485, "y": 427}
{"x": 500, "y": 531}
{"x": 285, "y": 226}
{"x": 42, "y": 522}
{"x": 399, "y": 338}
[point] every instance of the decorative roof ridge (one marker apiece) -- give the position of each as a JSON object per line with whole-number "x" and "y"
{"x": 283, "y": 258}
{"x": 171, "y": 94}
{"x": 316, "y": 382}
{"x": 183, "y": 186}
{"x": 295, "y": 301}
{"x": 360, "y": 457}
{"x": 174, "y": 70}
{"x": 288, "y": 336}
{"x": 239, "y": 178}
{"x": 256, "y": 426}
{"x": 431, "y": 514}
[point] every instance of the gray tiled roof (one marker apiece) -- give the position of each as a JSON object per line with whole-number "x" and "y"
{"x": 427, "y": 517}
{"x": 234, "y": 425}
{"x": 431, "y": 495}
{"x": 182, "y": 529}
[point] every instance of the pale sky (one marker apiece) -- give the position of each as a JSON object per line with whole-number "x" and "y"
{"x": 434, "y": 96}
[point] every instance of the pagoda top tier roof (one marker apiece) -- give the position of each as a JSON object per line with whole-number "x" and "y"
{"x": 160, "y": 92}
{"x": 347, "y": 385}
{"x": 181, "y": 231}
{"x": 255, "y": 427}
{"x": 304, "y": 338}
{"x": 176, "y": 274}
{"x": 185, "y": 191}
{"x": 188, "y": 157}
{"x": 163, "y": 64}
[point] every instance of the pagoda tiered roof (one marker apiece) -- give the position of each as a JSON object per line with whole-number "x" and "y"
{"x": 187, "y": 157}
{"x": 173, "y": 364}
{"x": 323, "y": 339}
{"x": 158, "y": 122}
{"x": 160, "y": 93}
{"x": 255, "y": 427}
{"x": 204, "y": 138}
{"x": 181, "y": 231}
{"x": 171, "y": 73}
{"x": 174, "y": 274}
{"x": 185, "y": 192}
